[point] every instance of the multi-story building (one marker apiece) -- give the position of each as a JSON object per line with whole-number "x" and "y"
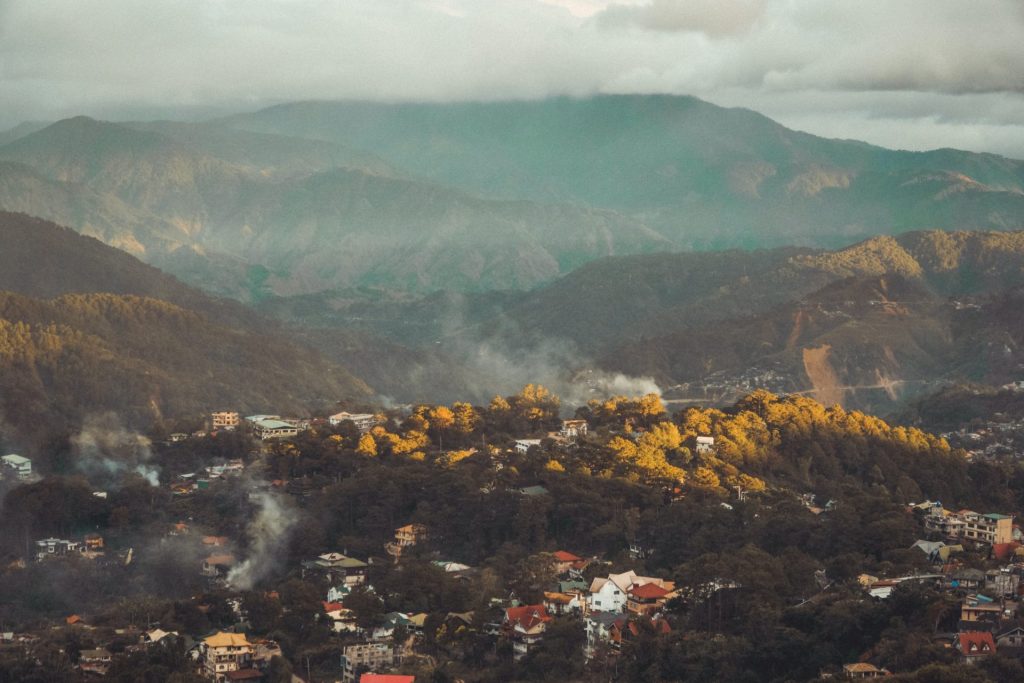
{"x": 406, "y": 537}
{"x": 223, "y": 653}
{"x": 525, "y": 626}
{"x": 991, "y": 528}
{"x": 228, "y": 420}
{"x": 372, "y": 655}
{"x": 364, "y": 422}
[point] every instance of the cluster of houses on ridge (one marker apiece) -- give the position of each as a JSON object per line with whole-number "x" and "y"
{"x": 989, "y": 620}
{"x": 268, "y": 427}
{"x": 1000, "y": 437}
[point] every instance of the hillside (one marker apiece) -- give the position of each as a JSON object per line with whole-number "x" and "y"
{"x": 64, "y": 358}
{"x": 621, "y": 298}
{"x": 88, "y": 328}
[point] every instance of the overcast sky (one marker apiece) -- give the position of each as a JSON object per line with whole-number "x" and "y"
{"x": 910, "y": 74}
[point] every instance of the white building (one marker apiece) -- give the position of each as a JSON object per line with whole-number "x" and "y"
{"x": 273, "y": 429}
{"x": 611, "y": 594}
{"x": 17, "y": 465}
{"x": 523, "y": 445}
{"x": 56, "y": 547}
{"x": 364, "y": 421}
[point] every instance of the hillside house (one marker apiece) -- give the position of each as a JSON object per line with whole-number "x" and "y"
{"x": 967, "y": 579}
{"x": 218, "y": 565}
{"x": 859, "y": 670}
{"x": 406, "y": 537}
{"x": 623, "y": 629}
{"x": 524, "y": 445}
{"x": 364, "y": 422}
{"x": 598, "y": 627}
{"x": 339, "y": 568}
{"x": 273, "y": 429}
{"x": 991, "y": 528}
{"x": 226, "y": 420}
{"x": 342, "y": 620}
{"x": 705, "y": 444}
{"x": 95, "y": 661}
{"x": 561, "y": 604}
{"x": 56, "y": 547}
{"x": 375, "y": 656}
{"x": 525, "y": 626}
{"x": 646, "y": 599}
{"x": 1013, "y": 637}
{"x": 568, "y": 563}
{"x": 611, "y": 594}
{"x": 17, "y": 466}
{"x": 973, "y": 645}
{"x": 573, "y": 429}
{"x": 1002, "y": 582}
{"x": 156, "y": 636}
{"x": 223, "y": 653}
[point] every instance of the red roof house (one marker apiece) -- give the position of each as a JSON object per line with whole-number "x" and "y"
{"x": 973, "y": 644}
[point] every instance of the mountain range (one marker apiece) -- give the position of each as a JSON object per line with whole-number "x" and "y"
{"x": 474, "y": 197}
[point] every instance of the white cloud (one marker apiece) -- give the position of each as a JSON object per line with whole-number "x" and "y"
{"x": 956, "y": 63}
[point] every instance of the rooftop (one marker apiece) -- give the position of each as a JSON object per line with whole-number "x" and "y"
{"x": 225, "y": 639}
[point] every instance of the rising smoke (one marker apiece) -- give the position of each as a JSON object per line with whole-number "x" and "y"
{"x": 268, "y": 538}
{"x": 498, "y": 369}
{"x": 105, "y": 450}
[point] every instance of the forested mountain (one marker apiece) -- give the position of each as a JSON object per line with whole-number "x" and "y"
{"x": 868, "y": 324}
{"x": 94, "y": 329}
{"x": 702, "y": 174}
{"x": 307, "y": 197}
{"x": 300, "y": 215}
{"x": 621, "y": 298}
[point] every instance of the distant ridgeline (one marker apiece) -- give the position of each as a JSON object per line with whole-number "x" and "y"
{"x": 314, "y": 196}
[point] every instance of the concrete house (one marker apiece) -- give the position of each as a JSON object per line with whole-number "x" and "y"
{"x": 223, "y": 653}
{"x": 17, "y": 466}
{"x": 364, "y": 422}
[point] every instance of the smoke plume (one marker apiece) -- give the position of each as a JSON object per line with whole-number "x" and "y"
{"x": 105, "y": 450}
{"x": 268, "y": 537}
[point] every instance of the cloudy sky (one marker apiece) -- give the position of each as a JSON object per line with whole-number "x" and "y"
{"x": 903, "y": 73}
